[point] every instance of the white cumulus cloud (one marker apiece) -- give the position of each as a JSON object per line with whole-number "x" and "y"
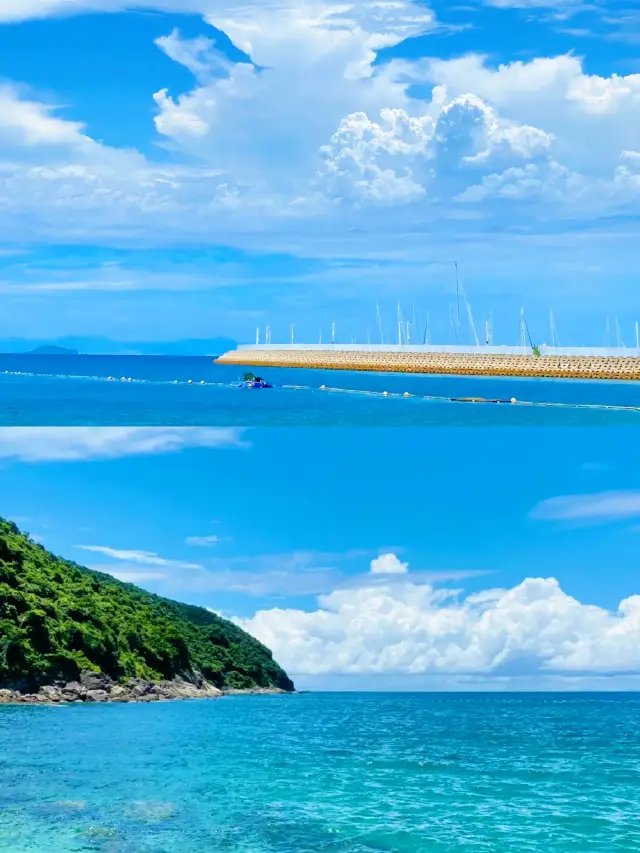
{"x": 388, "y": 564}
{"x": 541, "y": 138}
{"x": 413, "y": 629}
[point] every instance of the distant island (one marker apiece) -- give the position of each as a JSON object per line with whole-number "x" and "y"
{"x": 88, "y": 345}
{"x": 71, "y": 634}
{"x": 50, "y": 349}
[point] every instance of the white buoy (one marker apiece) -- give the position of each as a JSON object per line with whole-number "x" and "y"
{"x": 202, "y": 382}
{"x": 407, "y": 394}
{"x": 513, "y": 400}
{"x": 385, "y": 393}
{"x": 323, "y": 387}
{"x": 190, "y": 382}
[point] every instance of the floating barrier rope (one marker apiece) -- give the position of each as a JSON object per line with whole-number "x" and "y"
{"x": 326, "y": 388}
{"x": 442, "y": 399}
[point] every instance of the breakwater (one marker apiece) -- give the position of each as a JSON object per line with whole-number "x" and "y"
{"x": 431, "y": 361}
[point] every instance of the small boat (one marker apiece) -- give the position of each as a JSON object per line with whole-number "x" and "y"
{"x": 251, "y": 381}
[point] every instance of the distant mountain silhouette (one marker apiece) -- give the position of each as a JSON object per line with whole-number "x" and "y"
{"x": 50, "y": 349}
{"x": 108, "y": 346}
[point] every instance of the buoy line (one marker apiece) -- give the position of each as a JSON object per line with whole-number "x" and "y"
{"x": 442, "y": 399}
{"x": 363, "y": 392}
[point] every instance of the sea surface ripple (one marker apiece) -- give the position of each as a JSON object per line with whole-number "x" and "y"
{"x": 354, "y": 773}
{"x": 40, "y": 390}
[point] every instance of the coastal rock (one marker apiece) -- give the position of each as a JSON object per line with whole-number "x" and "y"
{"x": 96, "y": 687}
{"x": 254, "y": 691}
{"x": 51, "y": 693}
{"x": 94, "y": 680}
{"x": 73, "y": 692}
{"x": 97, "y": 696}
{"x": 8, "y": 697}
{"x": 119, "y": 693}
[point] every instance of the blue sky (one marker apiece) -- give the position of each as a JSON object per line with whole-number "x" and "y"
{"x": 193, "y": 168}
{"x": 337, "y": 546}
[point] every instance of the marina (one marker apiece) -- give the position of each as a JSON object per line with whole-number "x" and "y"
{"x": 412, "y": 349}
{"x": 543, "y": 362}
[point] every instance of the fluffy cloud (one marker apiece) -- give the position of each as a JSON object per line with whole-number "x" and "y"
{"x": 36, "y": 444}
{"x": 388, "y": 564}
{"x": 242, "y": 117}
{"x": 413, "y": 629}
{"x": 346, "y": 139}
{"x": 401, "y": 157}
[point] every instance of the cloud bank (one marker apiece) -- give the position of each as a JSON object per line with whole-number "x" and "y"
{"x": 255, "y": 155}
{"x": 412, "y": 629}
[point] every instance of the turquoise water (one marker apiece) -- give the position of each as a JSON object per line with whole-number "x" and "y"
{"x": 75, "y": 391}
{"x": 354, "y": 773}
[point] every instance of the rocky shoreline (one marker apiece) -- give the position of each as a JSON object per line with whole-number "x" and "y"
{"x": 95, "y": 687}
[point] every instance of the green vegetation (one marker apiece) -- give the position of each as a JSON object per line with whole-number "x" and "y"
{"x": 536, "y": 351}
{"x": 58, "y": 618}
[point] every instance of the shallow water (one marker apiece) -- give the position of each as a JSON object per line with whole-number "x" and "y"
{"x": 65, "y": 391}
{"x": 325, "y": 772}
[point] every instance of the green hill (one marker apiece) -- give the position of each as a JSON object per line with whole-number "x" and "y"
{"x": 58, "y": 619}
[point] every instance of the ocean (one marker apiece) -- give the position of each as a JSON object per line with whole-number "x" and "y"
{"x": 42, "y": 390}
{"x": 350, "y": 773}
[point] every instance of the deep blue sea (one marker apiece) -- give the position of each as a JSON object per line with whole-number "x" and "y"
{"x": 41, "y": 390}
{"x": 317, "y": 773}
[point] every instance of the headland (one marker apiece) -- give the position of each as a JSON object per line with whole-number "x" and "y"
{"x": 543, "y": 362}
{"x": 72, "y": 634}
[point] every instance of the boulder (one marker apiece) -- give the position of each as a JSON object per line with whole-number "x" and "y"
{"x": 74, "y": 692}
{"x": 94, "y": 680}
{"x": 51, "y": 693}
{"x": 119, "y": 693}
{"x": 138, "y": 687}
{"x": 97, "y": 695}
{"x": 8, "y": 697}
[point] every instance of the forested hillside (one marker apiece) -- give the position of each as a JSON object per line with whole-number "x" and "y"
{"x": 58, "y": 619}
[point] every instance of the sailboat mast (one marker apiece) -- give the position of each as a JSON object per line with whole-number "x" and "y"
{"x": 637, "y": 338}
{"x": 379, "y": 323}
{"x": 457, "y": 304}
{"x": 399, "y": 325}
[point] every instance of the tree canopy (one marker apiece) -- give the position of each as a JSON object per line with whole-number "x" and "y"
{"x": 58, "y": 618}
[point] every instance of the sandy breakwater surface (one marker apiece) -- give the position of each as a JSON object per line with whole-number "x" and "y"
{"x": 404, "y": 360}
